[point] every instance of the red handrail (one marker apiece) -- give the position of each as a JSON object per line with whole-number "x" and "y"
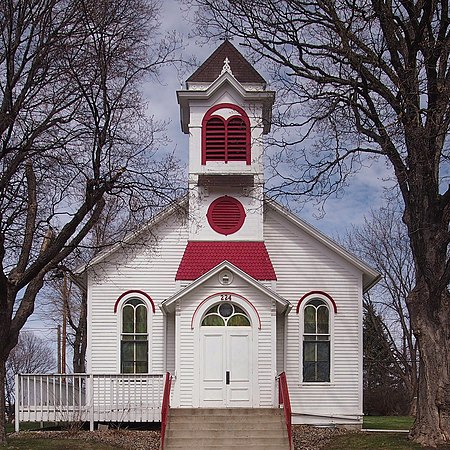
{"x": 283, "y": 399}
{"x": 165, "y": 407}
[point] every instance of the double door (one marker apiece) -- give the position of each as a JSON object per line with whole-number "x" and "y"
{"x": 226, "y": 372}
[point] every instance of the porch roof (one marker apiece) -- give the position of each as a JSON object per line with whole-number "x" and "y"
{"x": 282, "y": 303}
{"x": 201, "y": 256}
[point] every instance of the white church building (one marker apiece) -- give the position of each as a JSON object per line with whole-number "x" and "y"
{"x": 231, "y": 290}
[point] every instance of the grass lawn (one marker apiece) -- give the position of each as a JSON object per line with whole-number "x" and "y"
{"x": 388, "y": 422}
{"x": 54, "y": 444}
{"x": 27, "y": 426}
{"x": 375, "y": 441}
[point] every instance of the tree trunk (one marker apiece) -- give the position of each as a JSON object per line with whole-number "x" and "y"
{"x": 2, "y": 401}
{"x": 431, "y": 325}
{"x": 80, "y": 342}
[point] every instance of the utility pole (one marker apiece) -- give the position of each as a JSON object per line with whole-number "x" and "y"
{"x": 65, "y": 294}
{"x": 59, "y": 347}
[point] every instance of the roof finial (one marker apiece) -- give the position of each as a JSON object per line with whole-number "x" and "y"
{"x": 226, "y": 67}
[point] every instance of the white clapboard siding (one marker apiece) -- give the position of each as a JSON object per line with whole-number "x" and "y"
{"x": 151, "y": 270}
{"x": 280, "y": 343}
{"x": 302, "y": 265}
{"x": 170, "y": 344}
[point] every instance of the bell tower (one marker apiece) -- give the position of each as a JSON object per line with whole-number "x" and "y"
{"x": 226, "y": 110}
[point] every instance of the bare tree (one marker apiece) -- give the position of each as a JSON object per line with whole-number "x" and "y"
{"x": 65, "y": 293}
{"x": 365, "y": 79}
{"x": 74, "y": 132}
{"x": 382, "y": 241}
{"x": 31, "y": 355}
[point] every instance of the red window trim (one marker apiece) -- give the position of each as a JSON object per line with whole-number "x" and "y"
{"x": 311, "y": 294}
{"x": 134, "y": 291}
{"x": 242, "y": 115}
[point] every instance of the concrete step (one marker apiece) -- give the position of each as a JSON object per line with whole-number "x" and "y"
{"x": 228, "y": 447}
{"x": 219, "y": 424}
{"x": 225, "y": 411}
{"x": 217, "y": 434}
{"x": 226, "y": 429}
{"x": 226, "y": 442}
{"x": 228, "y": 419}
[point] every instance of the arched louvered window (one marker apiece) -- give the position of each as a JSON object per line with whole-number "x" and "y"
{"x": 226, "y": 134}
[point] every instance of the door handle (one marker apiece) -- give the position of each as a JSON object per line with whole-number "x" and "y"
{"x": 227, "y": 373}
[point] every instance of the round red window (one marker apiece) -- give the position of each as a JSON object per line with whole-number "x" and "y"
{"x": 226, "y": 215}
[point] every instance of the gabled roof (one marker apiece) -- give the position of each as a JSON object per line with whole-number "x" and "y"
{"x": 242, "y": 70}
{"x": 285, "y": 304}
{"x": 201, "y": 256}
{"x": 370, "y": 275}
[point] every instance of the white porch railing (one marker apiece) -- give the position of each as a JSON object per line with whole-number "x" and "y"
{"x": 88, "y": 397}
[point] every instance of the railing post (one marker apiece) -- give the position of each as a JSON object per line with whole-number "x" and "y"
{"x": 165, "y": 406}
{"x": 16, "y": 404}
{"x": 286, "y": 402}
{"x": 91, "y": 401}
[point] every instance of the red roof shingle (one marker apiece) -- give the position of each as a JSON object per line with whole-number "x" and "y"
{"x": 242, "y": 70}
{"x": 201, "y": 256}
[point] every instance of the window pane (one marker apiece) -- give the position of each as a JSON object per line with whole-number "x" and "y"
{"x": 212, "y": 310}
{"x": 309, "y": 371}
{"x": 134, "y": 302}
{"x": 322, "y": 319}
{"x": 127, "y": 357}
{"x": 141, "y": 357}
{"x": 213, "y": 320}
{"x": 128, "y": 319}
{"x": 316, "y": 361}
{"x": 141, "y": 367}
{"x": 323, "y": 371}
{"x": 310, "y": 319}
{"x": 323, "y": 351}
{"x": 309, "y": 351}
{"x": 225, "y": 309}
{"x": 127, "y": 367}
{"x": 316, "y": 302}
{"x": 141, "y": 319}
{"x": 238, "y": 320}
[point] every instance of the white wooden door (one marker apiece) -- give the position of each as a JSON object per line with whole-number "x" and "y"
{"x": 226, "y": 367}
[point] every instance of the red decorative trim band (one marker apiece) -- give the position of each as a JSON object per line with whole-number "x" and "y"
{"x": 134, "y": 291}
{"x": 309, "y": 294}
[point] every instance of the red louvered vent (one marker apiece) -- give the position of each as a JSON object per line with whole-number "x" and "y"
{"x": 226, "y": 139}
{"x": 226, "y": 215}
{"x": 215, "y": 140}
{"x": 236, "y": 140}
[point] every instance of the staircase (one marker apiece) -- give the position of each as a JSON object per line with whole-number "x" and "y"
{"x": 226, "y": 429}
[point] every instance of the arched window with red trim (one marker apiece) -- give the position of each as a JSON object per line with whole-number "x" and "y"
{"x": 226, "y": 134}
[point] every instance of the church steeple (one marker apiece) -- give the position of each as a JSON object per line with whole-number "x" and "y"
{"x": 226, "y": 109}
